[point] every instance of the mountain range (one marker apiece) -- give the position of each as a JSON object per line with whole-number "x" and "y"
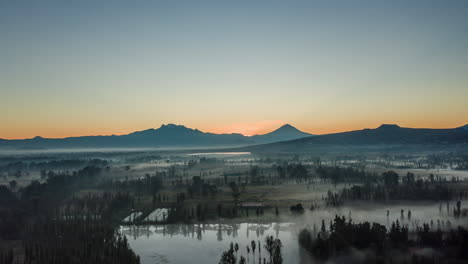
{"x": 167, "y": 136}
{"x": 286, "y": 139}
{"x": 387, "y": 137}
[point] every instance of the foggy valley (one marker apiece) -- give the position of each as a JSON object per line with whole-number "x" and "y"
{"x": 203, "y": 206}
{"x": 233, "y": 132}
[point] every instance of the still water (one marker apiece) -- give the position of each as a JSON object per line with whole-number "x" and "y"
{"x": 219, "y": 154}
{"x": 204, "y": 243}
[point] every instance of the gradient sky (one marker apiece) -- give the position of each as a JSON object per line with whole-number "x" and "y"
{"x": 70, "y": 68}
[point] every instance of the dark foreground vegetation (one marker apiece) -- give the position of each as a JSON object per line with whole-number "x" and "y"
{"x": 35, "y": 227}
{"x": 343, "y": 238}
{"x": 271, "y": 245}
{"x": 75, "y": 241}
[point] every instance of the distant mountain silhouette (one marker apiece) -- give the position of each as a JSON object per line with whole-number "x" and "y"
{"x": 385, "y": 137}
{"x": 167, "y": 136}
{"x": 286, "y": 132}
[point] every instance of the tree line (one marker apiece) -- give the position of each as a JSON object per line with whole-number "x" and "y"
{"x": 343, "y": 235}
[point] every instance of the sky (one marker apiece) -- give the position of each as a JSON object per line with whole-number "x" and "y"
{"x": 72, "y": 68}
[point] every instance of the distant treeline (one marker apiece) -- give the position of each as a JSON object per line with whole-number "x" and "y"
{"x": 67, "y": 164}
{"x": 390, "y": 186}
{"x": 142, "y": 159}
{"x": 149, "y": 184}
{"x": 344, "y": 175}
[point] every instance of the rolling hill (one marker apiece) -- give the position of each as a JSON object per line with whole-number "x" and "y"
{"x": 384, "y": 138}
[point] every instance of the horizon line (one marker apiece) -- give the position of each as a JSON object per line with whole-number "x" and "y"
{"x": 232, "y": 133}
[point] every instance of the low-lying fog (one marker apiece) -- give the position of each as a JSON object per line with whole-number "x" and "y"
{"x": 204, "y": 243}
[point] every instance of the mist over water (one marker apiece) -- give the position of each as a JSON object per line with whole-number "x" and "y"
{"x": 204, "y": 243}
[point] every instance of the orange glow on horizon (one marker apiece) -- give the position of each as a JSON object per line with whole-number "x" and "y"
{"x": 248, "y": 128}
{"x": 245, "y": 128}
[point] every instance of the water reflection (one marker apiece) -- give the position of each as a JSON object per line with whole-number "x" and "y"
{"x": 190, "y": 230}
{"x": 204, "y": 243}
{"x": 219, "y": 153}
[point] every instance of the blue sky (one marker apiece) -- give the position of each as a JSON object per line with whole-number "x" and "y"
{"x": 72, "y": 68}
